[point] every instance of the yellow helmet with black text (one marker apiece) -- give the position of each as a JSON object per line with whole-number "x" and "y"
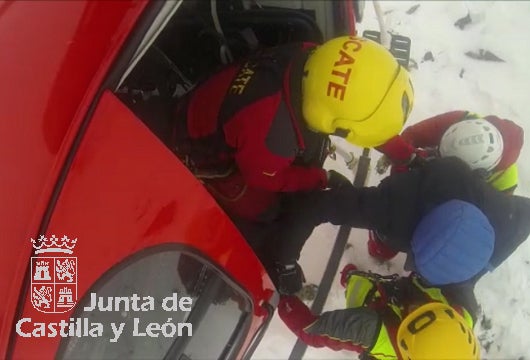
{"x": 355, "y": 88}
{"x": 436, "y": 331}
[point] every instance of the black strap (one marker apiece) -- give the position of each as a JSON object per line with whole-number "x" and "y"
{"x": 316, "y": 144}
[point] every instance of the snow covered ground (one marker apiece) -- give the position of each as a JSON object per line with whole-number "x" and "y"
{"x": 450, "y": 81}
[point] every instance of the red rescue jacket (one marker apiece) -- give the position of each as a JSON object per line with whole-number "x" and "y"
{"x": 252, "y": 111}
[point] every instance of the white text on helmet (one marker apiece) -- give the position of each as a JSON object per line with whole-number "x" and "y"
{"x": 339, "y": 74}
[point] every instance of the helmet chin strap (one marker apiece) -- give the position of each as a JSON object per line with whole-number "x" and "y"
{"x": 343, "y": 133}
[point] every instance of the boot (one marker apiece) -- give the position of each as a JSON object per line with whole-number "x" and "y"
{"x": 289, "y": 278}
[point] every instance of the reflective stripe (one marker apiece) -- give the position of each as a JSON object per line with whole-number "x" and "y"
{"x": 396, "y": 309}
{"x": 505, "y": 180}
{"x": 467, "y": 317}
{"x": 357, "y": 290}
{"x": 433, "y": 293}
{"x": 472, "y": 116}
{"x": 383, "y": 348}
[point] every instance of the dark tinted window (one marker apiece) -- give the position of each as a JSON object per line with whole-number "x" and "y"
{"x": 218, "y": 311}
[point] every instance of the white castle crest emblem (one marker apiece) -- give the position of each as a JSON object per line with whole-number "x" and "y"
{"x": 53, "y": 278}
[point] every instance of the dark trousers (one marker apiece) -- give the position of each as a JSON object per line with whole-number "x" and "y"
{"x": 280, "y": 234}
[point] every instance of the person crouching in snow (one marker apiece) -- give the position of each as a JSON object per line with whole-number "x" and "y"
{"x": 393, "y": 317}
{"x": 489, "y": 145}
{"x": 395, "y": 207}
{"x": 258, "y": 130}
{"x": 418, "y": 323}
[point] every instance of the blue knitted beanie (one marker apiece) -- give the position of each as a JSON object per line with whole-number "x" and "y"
{"x": 452, "y": 243}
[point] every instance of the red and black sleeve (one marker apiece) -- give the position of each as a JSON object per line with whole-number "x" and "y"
{"x": 354, "y": 329}
{"x": 264, "y": 154}
{"x": 429, "y": 132}
{"x": 424, "y": 134}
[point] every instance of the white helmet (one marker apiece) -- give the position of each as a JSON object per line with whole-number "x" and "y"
{"x": 475, "y": 141}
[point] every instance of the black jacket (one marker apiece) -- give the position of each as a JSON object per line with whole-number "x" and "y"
{"x": 396, "y": 205}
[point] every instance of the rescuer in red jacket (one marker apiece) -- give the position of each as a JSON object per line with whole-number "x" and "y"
{"x": 259, "y": 129}
{"x": 487, "y": 144}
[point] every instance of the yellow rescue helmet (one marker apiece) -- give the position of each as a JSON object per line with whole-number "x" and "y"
{"x": 436, "y": 331}
{"x": 354, "y": 87}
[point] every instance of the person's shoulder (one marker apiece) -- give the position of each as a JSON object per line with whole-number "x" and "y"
{"x": 451, "y": 174}
{"x": 504, "y": 125}
{"x": 522, "y": 203}
{"x": 446, "y": 164}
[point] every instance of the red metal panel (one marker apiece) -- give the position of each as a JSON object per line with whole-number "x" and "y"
{"x": 54, "y": 56}
{"x": 126, "y": 192}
